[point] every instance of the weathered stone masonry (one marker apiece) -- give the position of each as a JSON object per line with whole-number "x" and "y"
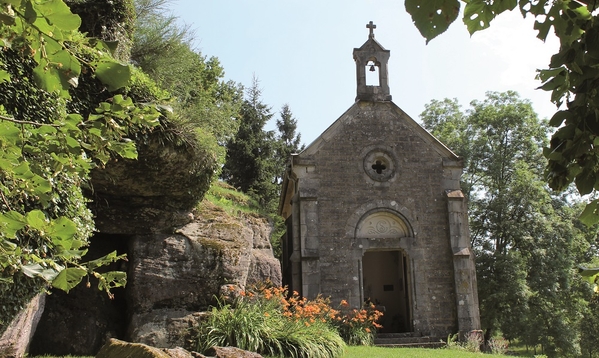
{"x": 375, "y": 213}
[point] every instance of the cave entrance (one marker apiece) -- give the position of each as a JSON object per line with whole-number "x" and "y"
{"x": 85, "y": 316}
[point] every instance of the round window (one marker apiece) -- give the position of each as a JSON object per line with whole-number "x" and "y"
{"x": 379, "y": 165}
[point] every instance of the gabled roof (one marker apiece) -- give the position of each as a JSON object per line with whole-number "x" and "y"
{"x": 371, "y": 44}
{"x": 331, "y": 132}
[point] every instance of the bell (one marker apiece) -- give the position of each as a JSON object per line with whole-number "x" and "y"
{"x": 372, "y": 69}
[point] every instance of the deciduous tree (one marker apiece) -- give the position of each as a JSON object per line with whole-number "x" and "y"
{"x": 572, "y": 77}
{"x": 526, "y": 241}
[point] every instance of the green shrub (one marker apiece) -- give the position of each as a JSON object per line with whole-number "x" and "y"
{"x": 472, "y": 342}
{"x": 305, "y": 340}
{"x": 260, "y": 324}
{"x": 498, "y": 345}
{"x": 357, "y": 327}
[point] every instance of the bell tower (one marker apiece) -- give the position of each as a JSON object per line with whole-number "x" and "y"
{"x": 372, "y": 57}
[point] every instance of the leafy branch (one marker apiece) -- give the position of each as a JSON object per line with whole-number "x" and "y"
{"x": 45, "y": 230}
{"x": 17, "y": 121}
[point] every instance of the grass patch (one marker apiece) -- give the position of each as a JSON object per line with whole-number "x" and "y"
{"x": 222, "y": 199}
{"x": 231, "y": 201}
{"x": 382, "y": 352}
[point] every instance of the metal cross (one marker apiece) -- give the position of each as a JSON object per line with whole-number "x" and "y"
{"x": 371, "y": 26}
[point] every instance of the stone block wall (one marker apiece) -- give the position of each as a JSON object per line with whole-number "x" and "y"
{"x": 336, "y": 189}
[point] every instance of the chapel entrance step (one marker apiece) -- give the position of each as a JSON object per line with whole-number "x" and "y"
{"x": 409, "y": 339}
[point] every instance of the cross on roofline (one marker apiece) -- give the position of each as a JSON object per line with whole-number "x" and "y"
{"x": 371, "y": 26}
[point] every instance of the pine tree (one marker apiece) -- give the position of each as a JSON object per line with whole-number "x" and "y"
{"x": 250, "y": 164}
{"x": 288, "y": 141}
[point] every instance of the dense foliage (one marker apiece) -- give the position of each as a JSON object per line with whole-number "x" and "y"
{"x": 163, "y": 49}
{"x": 257, "y": 158}
{"x": 67, "y": 107}
{"x": 249, "y": 163}
{"x": 288, "y": 140}
{"x": 572, "y": 78}
{"x": 47, "y": 153}
{"x": 527, "y": 242}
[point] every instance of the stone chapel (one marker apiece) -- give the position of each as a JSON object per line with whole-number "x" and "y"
{"x": 374, "y": 213}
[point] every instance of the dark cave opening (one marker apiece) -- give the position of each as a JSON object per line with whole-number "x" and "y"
{"x": 80, "y": 322}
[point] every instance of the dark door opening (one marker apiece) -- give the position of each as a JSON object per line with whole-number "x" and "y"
{"x": 386, "y": 284}
{"x": 79, "y": 322}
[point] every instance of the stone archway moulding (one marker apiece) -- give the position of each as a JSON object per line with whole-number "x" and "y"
{"x": 389, "y": 216}
{"x": 382, "y": 225}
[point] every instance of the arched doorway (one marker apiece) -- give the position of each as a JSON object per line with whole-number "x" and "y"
{"x": 385, "y": 269}
{"x": 386, "y": 284}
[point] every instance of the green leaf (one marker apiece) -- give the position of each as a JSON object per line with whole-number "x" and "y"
{"x": 69, "y": 278}
{"x": 58, "y": 14}
{"x": 477, "y": 15}
{"x": 589, "y": 271}
{"x": 552, "y": 154}
{"x": 4, "y": 76}
{"x": 36, "y": 270}
{"x": 585, "y": 181}
{"x": 559, "y": 117}
{"x": 104, "y": 260}
{"x": 111, "y": 279}
{"x": 113, "y": 74}
{"x": 590, "y": 214}
{"x": 70, "y": 255}
{"x": 7, "y": 246}
{"x": 110, "y": 46}
{"x": 48, "y": 78}
{"x": 125, "y": 149}
{"x": 49, "y": 274}
{"x": 62, "y": 229}
{"x": 11, "y": 222}
{"x": 432, "y": 17}
{"x": 10, "y": 132}
{"x": 32, "y": 270}
{"x": 68, "y": 65}
{"x": 40, "y": 185}
{"x": 36, "y": 219}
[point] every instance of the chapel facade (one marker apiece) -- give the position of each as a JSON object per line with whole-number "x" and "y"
{"x": 374, "y": 213}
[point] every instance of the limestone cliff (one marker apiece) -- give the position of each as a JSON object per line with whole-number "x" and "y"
{"x": 172, "y": 276}
{"x": 176, "y": 274}
{"x": 181, "y": 256}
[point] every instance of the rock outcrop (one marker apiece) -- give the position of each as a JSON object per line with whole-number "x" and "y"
{"x": 115, "y": 348}
{"x": 180, "y": 258}
{"x": 154, "y": 193}
{"x": 15, "y": 340}
{"x": 174, "y": 275}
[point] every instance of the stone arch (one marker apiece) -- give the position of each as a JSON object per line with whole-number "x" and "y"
{"x": 383, "y": 237}
{"x": 383, "y": 224}
{"x": 383, "y": 209}
{"x": 373, "y": 72}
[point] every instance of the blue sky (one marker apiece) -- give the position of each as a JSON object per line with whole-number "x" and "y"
{"x": 301, "y": 51}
